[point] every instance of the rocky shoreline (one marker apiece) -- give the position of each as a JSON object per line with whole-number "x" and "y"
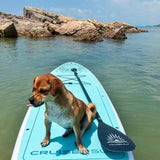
{"x": 37, "y": 23}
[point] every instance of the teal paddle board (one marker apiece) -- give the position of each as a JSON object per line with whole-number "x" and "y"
{"x": 32, "y": 131}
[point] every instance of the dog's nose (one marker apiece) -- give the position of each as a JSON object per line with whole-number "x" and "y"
{"x": 31, "y": 100}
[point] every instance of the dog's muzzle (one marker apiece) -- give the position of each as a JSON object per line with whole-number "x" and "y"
{"x": 32, "y": 101}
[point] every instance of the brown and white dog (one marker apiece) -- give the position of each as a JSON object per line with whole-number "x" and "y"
{"x": 62, "y": 107}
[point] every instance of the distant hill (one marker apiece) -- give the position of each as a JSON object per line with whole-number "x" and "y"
{"x": 158, "y": 25}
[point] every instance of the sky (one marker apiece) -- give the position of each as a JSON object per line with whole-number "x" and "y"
{"x": 134, "y": 12}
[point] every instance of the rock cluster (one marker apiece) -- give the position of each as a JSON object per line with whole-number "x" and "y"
{"x": 38, "y": 23}
{"x": 126, "y": 28}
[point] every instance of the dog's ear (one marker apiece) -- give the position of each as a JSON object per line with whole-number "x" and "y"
{"x": 56, "y": 85}
{"x": 34, "y": 80}
{"x": 34, "y": 83}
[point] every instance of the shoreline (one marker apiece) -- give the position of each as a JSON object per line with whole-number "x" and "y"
{"x": 38, "y": 23}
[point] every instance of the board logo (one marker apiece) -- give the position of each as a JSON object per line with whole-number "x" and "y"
{"x": 114, "y": 139}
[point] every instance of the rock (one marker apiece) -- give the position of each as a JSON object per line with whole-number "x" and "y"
{"x": 24, "y": 26}
{"x": 81, "y": 30}
{"x": 31, "y": 28}
{"x": 115, "y": 34}
{"x": 132, "y": 30}
{"x": 87, "y": 32}
{"x": 7, "y": 28}
{"x": 101, "y": 28}
{"x": 39, "y": 32}
{"x": 88, "y": 35}
{"x": 72, "y": 27}
{"x": 126, "y": 28}
{"x": 43, "y": 16}
{"x": 144, "y": 30}
{"x": 51, "y": 27}
{"x": 135, "y": 30}
{"x": 114, "y": 24}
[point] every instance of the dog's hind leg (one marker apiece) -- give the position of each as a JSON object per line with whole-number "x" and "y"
{"x": 84, "y": 125}
{"x": 68, "y": 132}
{"x": 80, "y": 146}
{"x": 87, "y": 119}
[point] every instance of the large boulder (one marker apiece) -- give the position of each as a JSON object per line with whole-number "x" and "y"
{"x": 39, "y": 32}
{"x": 23, "y": 27}
{"x": 72, "y": 27}
{"x": 7, "y": 28}
{"x": 89, "y": 36}
{"x": 31, "y": 28}
{"x": 81, "y": 30}
{"x": 87, "y": 32}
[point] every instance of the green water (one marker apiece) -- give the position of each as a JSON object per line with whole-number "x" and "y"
{"x": 129, "y": 71}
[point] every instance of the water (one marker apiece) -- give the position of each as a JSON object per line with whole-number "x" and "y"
{"x": 129, "y": 70}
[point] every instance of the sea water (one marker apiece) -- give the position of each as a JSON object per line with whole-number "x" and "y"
{"x": 128, "y": 69}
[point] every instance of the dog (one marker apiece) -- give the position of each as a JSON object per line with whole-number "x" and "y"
{"x": 62, "y": 107}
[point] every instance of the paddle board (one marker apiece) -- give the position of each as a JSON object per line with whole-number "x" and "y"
{"x": 32, "y": 131}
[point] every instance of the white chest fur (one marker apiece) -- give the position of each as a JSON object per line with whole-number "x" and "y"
{"x": 58, "y": 115}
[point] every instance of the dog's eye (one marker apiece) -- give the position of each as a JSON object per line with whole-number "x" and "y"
{"x": 43, "y": 91}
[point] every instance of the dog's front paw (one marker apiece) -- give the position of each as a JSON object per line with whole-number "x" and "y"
{"x": 44, "y": 143}
{"x": 84, "y": 151}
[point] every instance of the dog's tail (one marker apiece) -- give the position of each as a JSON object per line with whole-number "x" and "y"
{"x": 92, "y": 107}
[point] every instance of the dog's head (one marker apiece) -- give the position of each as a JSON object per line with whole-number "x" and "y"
{"x": 44, "y": 86}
